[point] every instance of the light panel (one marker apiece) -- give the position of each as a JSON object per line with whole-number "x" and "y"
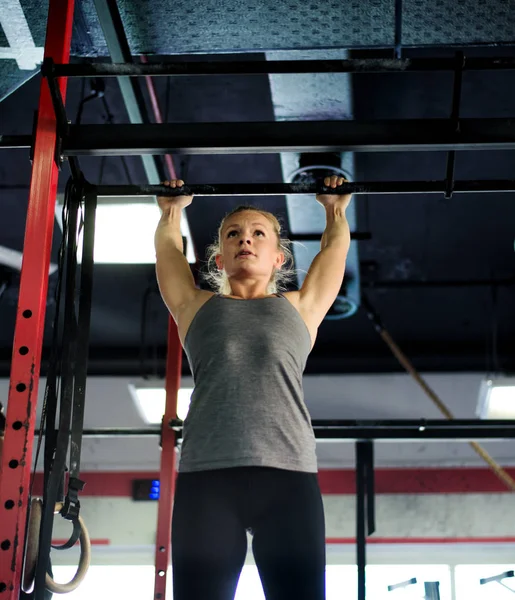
{"x": 150, "y": 401}
{"x": 497, "y": 398}
{"x": 124, "y": 230}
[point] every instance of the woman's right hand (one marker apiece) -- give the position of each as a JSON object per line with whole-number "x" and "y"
{"x": 166, "y": 202}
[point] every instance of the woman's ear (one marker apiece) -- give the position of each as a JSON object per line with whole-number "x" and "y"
{"x": 279, "y": 261}
{"x": 219, "y": 262}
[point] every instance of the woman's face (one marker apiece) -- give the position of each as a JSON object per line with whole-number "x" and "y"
{"x": 249, "y": 246}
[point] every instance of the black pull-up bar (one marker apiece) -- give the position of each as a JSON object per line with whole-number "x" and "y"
{"x": 296, "y": 189}
{"x": 246, "y": 67}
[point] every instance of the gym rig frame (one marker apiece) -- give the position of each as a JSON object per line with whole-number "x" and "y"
{"x": 54, "y": 140}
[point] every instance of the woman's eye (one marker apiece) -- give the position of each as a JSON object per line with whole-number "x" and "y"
{"x": 231, "y": 233}
{"x": 258, "y": 231}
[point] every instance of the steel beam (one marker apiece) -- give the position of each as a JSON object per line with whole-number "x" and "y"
{"x": 306, "y": 136}
{"x": 356, "y": 65}
{"x": 273, "y": 137}
{"x": 16, "y": 463}
{"x": 348, "y": 430}
{"x": 111, "y": 23}
{"x": 462, "y": 430}
{"x": 15, "y": 142}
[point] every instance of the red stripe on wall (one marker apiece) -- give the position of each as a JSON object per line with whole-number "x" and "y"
{"x": 419, "y": 540}
{"x": 337, "y": 481}
{"x": 371, "y": 540}
{"x": 417, "y": 481}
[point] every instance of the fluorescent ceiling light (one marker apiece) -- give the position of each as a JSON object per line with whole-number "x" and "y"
{"x": 124, "y": 230}
{"x": 150, "y": 400}
{"x": 497, "y": 398}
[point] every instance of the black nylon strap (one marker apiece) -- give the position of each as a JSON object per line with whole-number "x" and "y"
{"x": 77, "y": 530}
{"x": 72, "y": 505}
{"x": 56, "y": 472}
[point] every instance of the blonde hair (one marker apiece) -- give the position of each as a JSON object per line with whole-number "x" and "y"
{"x": 218, "y": 279}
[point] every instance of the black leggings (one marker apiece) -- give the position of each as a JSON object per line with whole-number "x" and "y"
{"x": 283, "y": 511}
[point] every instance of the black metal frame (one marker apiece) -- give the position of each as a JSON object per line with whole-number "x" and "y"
{"x": 287, "y": 136}
{"x": 420, "y": 135}
{"x": 219, "y": 138}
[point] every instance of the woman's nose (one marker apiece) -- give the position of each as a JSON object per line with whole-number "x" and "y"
{"x": 244, "y": 240}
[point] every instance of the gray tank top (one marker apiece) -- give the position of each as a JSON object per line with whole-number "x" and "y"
{"x": 247, "y": 408}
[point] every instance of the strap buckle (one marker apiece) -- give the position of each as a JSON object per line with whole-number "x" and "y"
{"x": 71, "y": 507}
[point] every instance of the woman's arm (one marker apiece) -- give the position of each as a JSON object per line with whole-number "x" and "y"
{"x": 325, "y": 275}
{"x": 174, "y": 276}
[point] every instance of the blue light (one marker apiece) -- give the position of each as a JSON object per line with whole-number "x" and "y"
{"x": 154, "y": 490}
{"x": 156, "y": 482}
{"x": 154, "y": 496}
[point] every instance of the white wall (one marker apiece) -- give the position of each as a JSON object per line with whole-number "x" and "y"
{"x": 130, "y": 528}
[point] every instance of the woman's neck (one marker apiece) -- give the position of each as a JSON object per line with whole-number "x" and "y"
{"x": 248, "y": 290}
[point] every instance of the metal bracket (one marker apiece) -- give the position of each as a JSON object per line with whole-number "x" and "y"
{"x": 63, "y": 124}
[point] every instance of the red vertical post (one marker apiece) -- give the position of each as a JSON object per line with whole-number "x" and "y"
{"x": 16, "y": 462}
{"x": 168, "y": 466}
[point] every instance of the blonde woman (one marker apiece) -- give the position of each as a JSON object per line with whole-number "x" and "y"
{"x": 248, "y": 460}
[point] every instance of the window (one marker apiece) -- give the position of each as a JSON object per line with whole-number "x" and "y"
{"x": 137, "y": 582}
{"x": 468, "y": 586}
{"x": 379, "y": 577}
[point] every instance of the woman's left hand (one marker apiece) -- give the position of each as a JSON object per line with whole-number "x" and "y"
{"x": 327, "y": 200}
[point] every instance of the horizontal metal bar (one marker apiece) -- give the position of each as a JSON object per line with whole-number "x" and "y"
{"x": 380, "y": 424}
{"x": 409, "y": 429}
{"x": 290, "y": 136}
{"x": 14, "y": 142}
{"x": 245, "y": 67}
{"x": 346, "y": 430}
{"x": 302, "y": 189}
{"x": 305, "y": 136}
{"x": 110, "y": 432}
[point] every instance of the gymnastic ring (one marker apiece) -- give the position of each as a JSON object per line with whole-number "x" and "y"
{"x": 32, "y": 553}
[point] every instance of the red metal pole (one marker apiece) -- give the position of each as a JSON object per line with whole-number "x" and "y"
{"x": 16, "y": 462}
{"x": 167, "y": 477}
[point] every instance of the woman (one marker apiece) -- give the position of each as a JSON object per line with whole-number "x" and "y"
{"x": 248, "y": 460}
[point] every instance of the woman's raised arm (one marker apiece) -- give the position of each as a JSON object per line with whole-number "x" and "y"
{"x": 174, "y": 276}
{"x": 325, "y": 275}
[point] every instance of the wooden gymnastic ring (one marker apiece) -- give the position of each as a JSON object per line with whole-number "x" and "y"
{"x": 32, "y": 553}
{"x": 32, "y": 546}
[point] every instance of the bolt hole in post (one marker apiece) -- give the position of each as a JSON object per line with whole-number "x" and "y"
{"x": 5, "y": 545}
{"x": 24, "y": 350}
{"x": 27, "y": 314}
{"x": 21, "y": 387}
{"x": 9, "y": 505}
{"x": 17, "y": 425}
{"x": 13, "y": 464}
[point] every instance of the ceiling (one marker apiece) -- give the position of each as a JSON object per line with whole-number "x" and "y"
{"x": 417, "y": 241}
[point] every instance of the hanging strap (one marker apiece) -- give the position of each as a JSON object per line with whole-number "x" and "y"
{"x": 71, "y": 506}
{"x": 54, "y": 481}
